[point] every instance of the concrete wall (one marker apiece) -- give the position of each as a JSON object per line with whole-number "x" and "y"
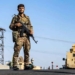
{"x": 4, "y": 67}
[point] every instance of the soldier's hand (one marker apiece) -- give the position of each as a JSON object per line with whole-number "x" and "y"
{"x": 18, "y": 24}
{"x": 31, "y": 32}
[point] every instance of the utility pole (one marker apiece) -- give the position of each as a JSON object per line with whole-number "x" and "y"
{"x": 52, "y": 65}
{"x": 2, "y": 45}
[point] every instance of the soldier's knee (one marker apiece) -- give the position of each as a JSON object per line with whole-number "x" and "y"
{"x": 17, "y": 48}
{"x": 27, "y": 48}
{"x": 16, "y": 53}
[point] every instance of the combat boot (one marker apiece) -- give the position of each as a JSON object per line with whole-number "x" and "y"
{"x": 15, "y": 68}
{"x": 28, "y": 67}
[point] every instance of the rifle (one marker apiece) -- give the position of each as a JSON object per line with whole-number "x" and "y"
{"x": 24, "y": 29}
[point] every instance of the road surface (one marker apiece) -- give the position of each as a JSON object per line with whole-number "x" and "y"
{"x": 38, "y": 72}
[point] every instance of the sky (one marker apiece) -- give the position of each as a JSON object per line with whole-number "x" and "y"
{"x": 54, "y": 19}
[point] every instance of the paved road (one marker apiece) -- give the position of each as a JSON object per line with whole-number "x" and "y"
{"x": 37, "y": 72}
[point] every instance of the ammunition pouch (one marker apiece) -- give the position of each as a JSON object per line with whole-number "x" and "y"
{"x": 14, "y": 36}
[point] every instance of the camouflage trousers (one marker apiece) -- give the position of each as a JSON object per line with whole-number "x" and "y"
{"x": 23, "y": 41}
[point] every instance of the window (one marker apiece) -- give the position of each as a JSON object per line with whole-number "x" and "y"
{"x": 73, "y": 55}
{"x": 71, "y": 50}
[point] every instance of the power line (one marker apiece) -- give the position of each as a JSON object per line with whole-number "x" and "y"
{"x": 57, "y": 40}
{"x": 45, "y": 38}
{"x": 40, "y": 51}
{"x": 47, "y": 52}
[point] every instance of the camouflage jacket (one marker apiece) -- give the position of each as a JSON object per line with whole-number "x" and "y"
{"x": 25, "y": 19}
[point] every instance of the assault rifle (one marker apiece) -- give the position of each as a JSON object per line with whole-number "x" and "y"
{"x": 24, "y": 29}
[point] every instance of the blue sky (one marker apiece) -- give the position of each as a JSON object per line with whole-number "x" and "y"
{"x": 53, "y": 19}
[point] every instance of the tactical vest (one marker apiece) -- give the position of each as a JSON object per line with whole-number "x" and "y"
{"x": 15, "y": 34}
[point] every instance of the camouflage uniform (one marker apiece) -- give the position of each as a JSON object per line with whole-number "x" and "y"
{"x": 21, "y": 41}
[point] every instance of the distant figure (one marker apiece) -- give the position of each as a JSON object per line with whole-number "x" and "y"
{"x": 20, "y": 41}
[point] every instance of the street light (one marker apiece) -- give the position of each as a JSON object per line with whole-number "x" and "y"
{"x": 52, "y": 65}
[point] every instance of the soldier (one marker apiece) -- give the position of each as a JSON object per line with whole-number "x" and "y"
{"x": 21, "y": 41}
